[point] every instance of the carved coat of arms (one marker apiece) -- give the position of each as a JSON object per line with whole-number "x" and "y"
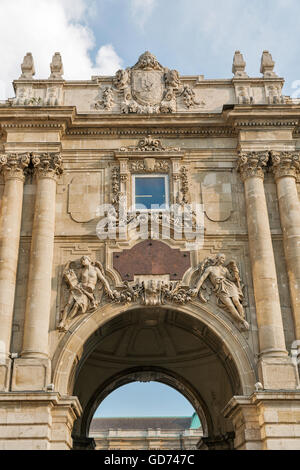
{"x": 146, "y": 88}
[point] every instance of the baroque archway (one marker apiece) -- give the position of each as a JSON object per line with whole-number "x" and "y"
{"x": 207, "y": 361}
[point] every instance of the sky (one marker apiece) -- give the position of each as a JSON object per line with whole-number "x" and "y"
{"x": 144, "y": 399}
{"x": 97, "y": 37}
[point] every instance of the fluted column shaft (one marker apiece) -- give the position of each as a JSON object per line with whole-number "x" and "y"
{"x": 35, "y": 341}
{"x": 286, "y": 166}
{"x": 268, "y": 311}
{"x": 12, "y": 166}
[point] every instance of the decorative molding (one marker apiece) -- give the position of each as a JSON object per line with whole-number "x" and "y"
{"x": 13, "y": 165}
{"x": 285, "y": 164}
{"x": 147, "y": 88}
{"x": 266, "y": 123}
{"x": 30, "y": 125}
{"x": 199, "y": 131}
{"x": 47, "y": 165}
{"x": 149, "y": 144}
{"x": 213, "y": 275}
{"x": 150, "y": 165}
{"x": 252, "y": 163}
{"x": 107, "y": 100}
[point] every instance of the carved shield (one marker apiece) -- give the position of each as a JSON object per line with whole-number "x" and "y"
{"x": 217, "y": 196}
{"x": 147, "y": 86}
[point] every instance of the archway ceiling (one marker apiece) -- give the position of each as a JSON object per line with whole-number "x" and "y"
{"x": 158, "y": 338}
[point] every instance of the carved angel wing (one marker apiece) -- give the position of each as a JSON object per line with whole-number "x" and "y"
{"x": 99, "y": 265}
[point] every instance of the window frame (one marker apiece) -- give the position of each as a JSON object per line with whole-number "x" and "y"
{"x": 167, "y": 192}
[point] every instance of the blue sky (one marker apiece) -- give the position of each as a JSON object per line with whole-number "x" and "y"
{"x": 193, "y": 36}
{"x": 144, "y": 399}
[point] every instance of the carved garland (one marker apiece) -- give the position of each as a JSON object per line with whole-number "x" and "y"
{"x": 82, "y": 299}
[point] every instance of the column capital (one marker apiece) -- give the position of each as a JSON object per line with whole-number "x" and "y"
{"x": 285, "y": 164}
{"x": 47, "y": 165}
{"x": 13, "y": 165}
{"x": 252, "y": 164}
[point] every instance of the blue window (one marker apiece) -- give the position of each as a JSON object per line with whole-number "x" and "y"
{"x": 150, "y": 192}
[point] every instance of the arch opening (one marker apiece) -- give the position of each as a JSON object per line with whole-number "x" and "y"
{"x": 145, "y": 414}
{"x": 176, "y": 345}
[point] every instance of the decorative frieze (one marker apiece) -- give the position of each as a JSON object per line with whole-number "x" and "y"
{"x": 86, "y": 282}
{"x": 285, "y": 164}
{"x": 252, "y": 164}
{"x": 13, "y": 165}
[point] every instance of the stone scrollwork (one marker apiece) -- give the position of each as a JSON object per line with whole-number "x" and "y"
{"x": 149, "y": 144}
{"x": 224, "y": 281}
{"x": 150, "y": 165}
{"x": 13, "y": 165}
{"x": 252, "y": 164}
{"x": 107, "y": 101}
{"x": 153, "y": 292}
{"x": 48, "y": 165}
{"x": 81, "y": 285}
{"x": 189, "y": 98}
{"x": 285, "y": 164}
{"x": 147, "y": 88}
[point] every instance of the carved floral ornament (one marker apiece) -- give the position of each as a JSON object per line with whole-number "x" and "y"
{"x": 86, "y": 288}
{"x": 147, "y": 88}
{"x": 284, "y": 163}
{"x": 252, "y": 164}
{"x": 149, "y": 144}
{"x": 14, "y": 165}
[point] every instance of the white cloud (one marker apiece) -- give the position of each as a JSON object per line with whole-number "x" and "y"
{"x": 44, "y": 27}
{"x": 141, "y": 10}
{"x": 108, "y": 61}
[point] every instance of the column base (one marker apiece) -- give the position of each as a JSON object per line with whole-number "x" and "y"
{"x": 278, "y": 373}
{"x": 5, "y": 370}
{"x": 31, "y": 374}
{"x": 268, "y": 420}
{"x": 37, "y": 421}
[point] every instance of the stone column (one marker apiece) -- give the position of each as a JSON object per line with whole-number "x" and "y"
{"x": 273, "y": 355}
{"x": 32, "y": 371}
{"x": 12, "y": 167}
{"x": 35, "y": 342}
{"x": 286, "y": 166}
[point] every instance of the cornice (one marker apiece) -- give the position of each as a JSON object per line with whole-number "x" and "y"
{"x": 162, "y": 132}
{"x": 266, "y": 123}
{"x": 34, "y": 117}
{"x": 30, "y": 125}
{"x": 263, "y": 116}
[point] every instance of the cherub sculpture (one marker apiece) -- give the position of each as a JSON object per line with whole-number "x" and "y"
{"x": 226, "y": 285}
{"x": 81, "y": 289}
